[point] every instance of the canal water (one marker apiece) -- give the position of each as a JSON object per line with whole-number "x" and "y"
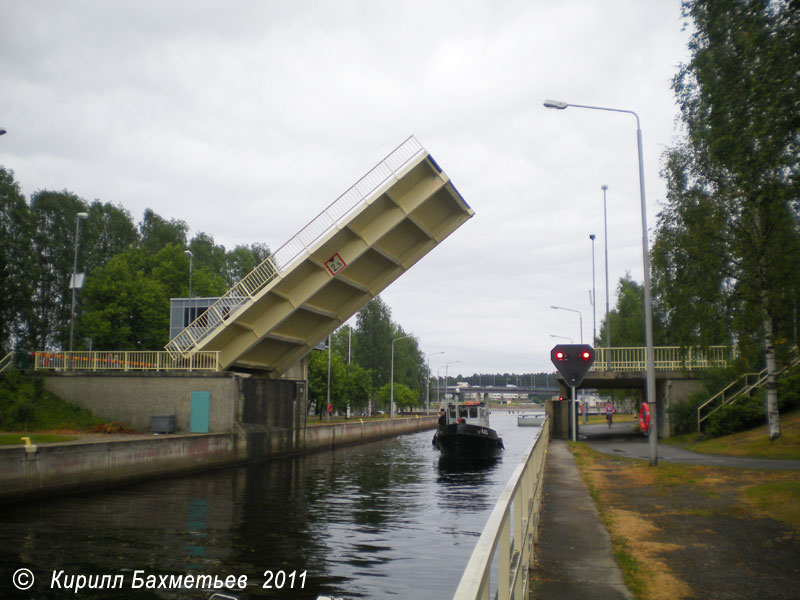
{"x": 379, "y": 520}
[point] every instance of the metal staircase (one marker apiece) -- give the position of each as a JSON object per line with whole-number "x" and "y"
{"x": 374, "y": 232}
{"x": 738, "y": 388}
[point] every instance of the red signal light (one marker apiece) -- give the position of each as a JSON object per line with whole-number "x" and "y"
{"x": 586, "y": 355}
{"x": 561, "y": 355}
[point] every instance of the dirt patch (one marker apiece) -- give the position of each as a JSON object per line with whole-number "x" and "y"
{"x": 692, "y": 530}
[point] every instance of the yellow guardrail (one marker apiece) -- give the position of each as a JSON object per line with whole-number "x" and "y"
{"x": 665, "y": 358}
{"x": 6, "y": 361}
{"x": 739, "y": 387}
{"x": 133, "y": 360}
{"x": 509, "y": 534}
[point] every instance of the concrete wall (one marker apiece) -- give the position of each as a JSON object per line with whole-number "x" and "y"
{"x": 58, "y": 468}
{"x": 134, "y": 397}
{"x": 69, "y": 467}
{"x": 674, "y": 392}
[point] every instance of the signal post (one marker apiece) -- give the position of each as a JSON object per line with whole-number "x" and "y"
{"x": 573, "y": 361}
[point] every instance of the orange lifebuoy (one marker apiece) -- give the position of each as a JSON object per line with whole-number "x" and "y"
{"x": 644, "y": 417}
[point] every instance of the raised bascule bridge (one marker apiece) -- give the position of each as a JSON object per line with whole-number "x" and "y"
{"x": 367, "y": 238}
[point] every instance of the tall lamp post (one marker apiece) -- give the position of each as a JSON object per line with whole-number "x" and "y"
{"x": 594, "y": 312}
{"x": 445, "y": 376}
{"x": 74, "y": 283}
{"x": 190, "y": 255}
{"x": 391, "y": 377}
{"x": 428, "y": 381}
{"x": 580, "y": 314}
{"x": 605, "y": 241}
{"x": 648, "y": 299}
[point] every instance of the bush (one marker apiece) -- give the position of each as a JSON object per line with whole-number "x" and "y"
{"x": 25, "y": 405}
{"x": 789, "y": 392}
{"x": 743, "y": 414}
{"x": 683, "y": 416}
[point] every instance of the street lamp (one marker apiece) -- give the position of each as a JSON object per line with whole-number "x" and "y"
{"x": 561, "y": 337}
{"x": 580, "y": 315}
{"x": 74, "y": 283}
{"x": 445, "y": 376}
{"x": 594, "y": 312}
{"x": 428, "y": 381}
{"x": 604, "y": 187}
{"x": 648, "y": 299}
{"x": 391, "y": 377}
{"x": 190, "y": 255}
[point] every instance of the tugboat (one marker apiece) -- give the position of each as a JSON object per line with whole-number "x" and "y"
{"x": 466, "y": 434}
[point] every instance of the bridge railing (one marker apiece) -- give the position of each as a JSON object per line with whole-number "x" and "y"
{"x": 509, "y": 534}
{"x": 285, "y": 256}
{"x": 665, "y": 358}
{"x": 125, "y": 361}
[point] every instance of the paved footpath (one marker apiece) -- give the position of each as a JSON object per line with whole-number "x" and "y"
{"x": 618, "y": 441}
{"x": 575, "y": 560}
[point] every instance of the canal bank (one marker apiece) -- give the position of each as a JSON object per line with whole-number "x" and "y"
{"x": 37, "y": 471}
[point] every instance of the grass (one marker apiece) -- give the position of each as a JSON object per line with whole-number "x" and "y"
{"x": 681, "y": 491}
{"x": 618, "y": 418}
{"x": 753, "y": 443}
{"x": 778, "y": 499}
{"x": 633, "y": 571}
{"x": 26, "y": 406}
{"x": 10, "y": 439}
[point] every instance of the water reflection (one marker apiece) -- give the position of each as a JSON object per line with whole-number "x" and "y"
{"x": 382, "y": 520}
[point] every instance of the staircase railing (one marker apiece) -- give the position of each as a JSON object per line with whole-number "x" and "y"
{"x": 7, "y": 361}
{"x": 739, "y": 387}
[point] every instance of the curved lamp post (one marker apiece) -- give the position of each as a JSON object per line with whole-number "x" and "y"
{"x": 428, "y": 381}
{"x": 391, "y": 377}
{"x": 74, "y": 284}
{"x": 190, "y": 255}
{"x": 575, "y": 311}
{"x": 648, "y": 299}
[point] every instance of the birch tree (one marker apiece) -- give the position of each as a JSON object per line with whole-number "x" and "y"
{"x": 736, "y": 173}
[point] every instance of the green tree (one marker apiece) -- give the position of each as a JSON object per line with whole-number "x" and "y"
{"x": 54, "y": 219}
{"x": 156, "y": 232}
{"x": 627, "y": 318}
{"x": 372, "y": 340}
{"x": 16, "y": 260}
{"x": 318, "y": 381}
{"x": 243, "y": 259}
{"x": 107, "y": 231}
{"x": 404, "y": 397}
{"x": 734, "y": 180}
{"x": 358, "y": 388}
{"x": 125, "y": 308}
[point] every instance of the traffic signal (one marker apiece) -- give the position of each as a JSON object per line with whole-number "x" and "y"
{"x": 573, "y": 361}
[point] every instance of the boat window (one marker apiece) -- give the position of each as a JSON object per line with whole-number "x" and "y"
{"x": 473, "y": 412}
{"x": 462, "y": 411}
{"x": 452, "y": 412}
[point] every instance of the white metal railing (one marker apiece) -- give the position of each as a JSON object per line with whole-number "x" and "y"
{"x": 665, "y": 358}
{"x": 279, "y": 261}
{"x": 6, "y": 362}
{"x": 133, "y": 360}
{"x": 510, "y": 533}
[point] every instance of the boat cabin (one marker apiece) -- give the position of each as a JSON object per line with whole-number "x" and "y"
{"x": 473, "y": 412}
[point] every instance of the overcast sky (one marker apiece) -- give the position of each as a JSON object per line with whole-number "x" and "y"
{"x": 246, "y": 119}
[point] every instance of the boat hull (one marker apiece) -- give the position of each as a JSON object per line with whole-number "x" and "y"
{"x": 468, "y": 442}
